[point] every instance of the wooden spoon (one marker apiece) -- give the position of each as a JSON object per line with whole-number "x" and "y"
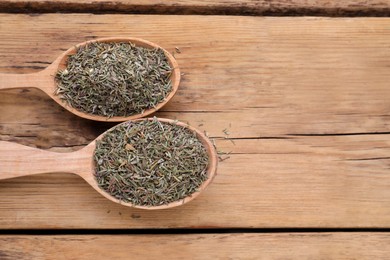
{"x": 18, "y": 160}
{"x": 45, "y": 79}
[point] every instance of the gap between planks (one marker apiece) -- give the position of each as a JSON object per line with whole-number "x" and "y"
{"x": 200, "y": 246}
{"x": 204, "y": 7}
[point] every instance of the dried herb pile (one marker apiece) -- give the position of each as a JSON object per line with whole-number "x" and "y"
{"x": 114, "y": 79}
{"x": 150, "y": 163}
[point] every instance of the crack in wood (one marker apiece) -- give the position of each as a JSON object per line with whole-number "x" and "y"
{"x": 341, "y": 134}
{"x": 368, "y": 159}
{"x": 40, "y": 62}
{"x": 23, "y": 67}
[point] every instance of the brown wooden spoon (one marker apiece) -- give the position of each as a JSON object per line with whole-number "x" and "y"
{"x": 18, "y": 160}
{"x": 45, "y": 81}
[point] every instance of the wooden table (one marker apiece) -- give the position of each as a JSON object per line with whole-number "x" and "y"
{"x": 302, "y": 104}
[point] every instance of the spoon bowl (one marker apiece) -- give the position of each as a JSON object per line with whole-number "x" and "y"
{"x": 45, "y": 79}
{"x": 17, "y": 160}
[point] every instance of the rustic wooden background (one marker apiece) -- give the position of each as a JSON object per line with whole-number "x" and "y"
{"x": 305, "y": 102}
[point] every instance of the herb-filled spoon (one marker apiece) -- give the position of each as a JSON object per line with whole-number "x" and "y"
{"x": 99, "y": 66}
{"x": 18, "y": 160}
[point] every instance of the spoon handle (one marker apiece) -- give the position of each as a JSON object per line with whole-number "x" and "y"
{"x": 18, "y": 160}
{"x": 29, "y": 80}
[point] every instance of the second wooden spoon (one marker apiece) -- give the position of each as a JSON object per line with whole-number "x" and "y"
{"x": 18, "y": 160}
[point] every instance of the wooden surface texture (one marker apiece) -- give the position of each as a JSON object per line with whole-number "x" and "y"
{"x": 198, "y": 246}
{"x": 302, "y": 104}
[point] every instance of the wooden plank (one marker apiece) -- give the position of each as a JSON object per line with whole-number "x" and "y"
{"x": 286, "y": 71}
{"x": 225, "y": 7}
{"x": 306, "y": 101}
{"x": 205, "y": 246}
{"x": 311, "y": 182}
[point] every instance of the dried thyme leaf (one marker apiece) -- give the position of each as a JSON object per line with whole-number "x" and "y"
{"x": 114, "y": 79}
{"x": 150, "y": 163}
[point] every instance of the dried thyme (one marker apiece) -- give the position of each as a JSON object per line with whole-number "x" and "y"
{"x": 150, "y": 163}
{"x": 114, "y": 79}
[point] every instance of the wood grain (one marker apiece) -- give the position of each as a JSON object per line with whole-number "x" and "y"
{"x": 305, "y": 101}
{"x": 204, "y": 246}
{"x": 224, "y": 7}
{"x": 312, "y": 182}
